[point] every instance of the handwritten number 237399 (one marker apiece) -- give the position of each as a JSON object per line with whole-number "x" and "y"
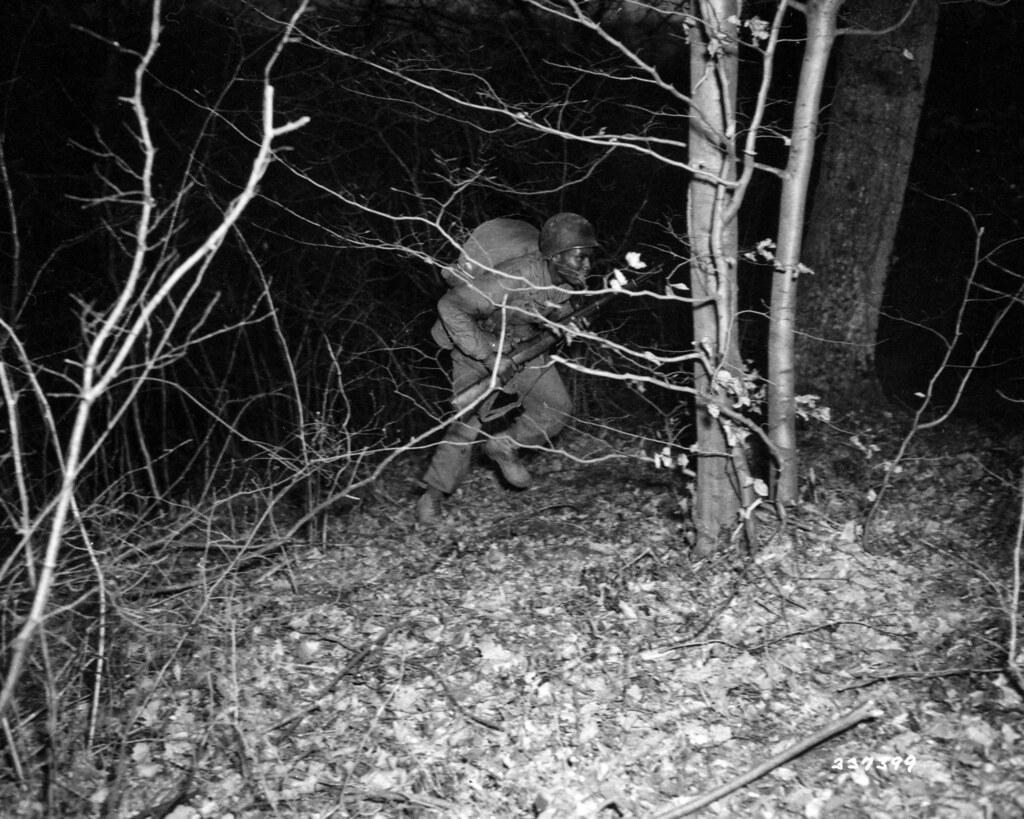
{"x": 882, "y": 763}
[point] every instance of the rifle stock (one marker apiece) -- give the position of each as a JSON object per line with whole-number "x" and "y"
{"x": 535, "y": 346}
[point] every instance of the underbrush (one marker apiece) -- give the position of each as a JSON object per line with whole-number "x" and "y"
{"x": 550, "y": 653}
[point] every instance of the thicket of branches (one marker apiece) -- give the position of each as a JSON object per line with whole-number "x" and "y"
{"x": 219, "y": 290}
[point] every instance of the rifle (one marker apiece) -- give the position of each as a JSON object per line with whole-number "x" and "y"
{"x": 536, "y": 345}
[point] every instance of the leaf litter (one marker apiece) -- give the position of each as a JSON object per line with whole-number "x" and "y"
{"x": 559, "y": 652}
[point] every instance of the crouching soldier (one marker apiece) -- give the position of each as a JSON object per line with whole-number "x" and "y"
{"x": 508, "y": 276}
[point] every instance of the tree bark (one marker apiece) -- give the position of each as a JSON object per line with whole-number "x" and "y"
{"x": 714, "y": 69}
{"x": 821, "y": 33}
{"x": 871, "y": 128}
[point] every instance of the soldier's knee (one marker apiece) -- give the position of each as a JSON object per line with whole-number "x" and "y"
{"x": 460, "y": 433}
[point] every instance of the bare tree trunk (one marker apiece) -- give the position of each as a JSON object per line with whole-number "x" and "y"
{"x": 859, "y": 196}
{"x": 714, "y": 244}
{"x": 821, "y": 33}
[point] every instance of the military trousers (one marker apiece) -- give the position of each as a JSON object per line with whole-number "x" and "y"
{"x": 538, "y": 389}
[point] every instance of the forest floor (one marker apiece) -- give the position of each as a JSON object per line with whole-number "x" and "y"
{"x": 559, "y": 652}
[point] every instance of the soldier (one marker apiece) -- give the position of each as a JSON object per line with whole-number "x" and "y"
{"x": 508, "y": 276}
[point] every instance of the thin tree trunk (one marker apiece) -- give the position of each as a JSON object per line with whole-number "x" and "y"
{"x": 821, "y": 33}
{"x": 857, "y": 203}
{"x": 714, "y": 244}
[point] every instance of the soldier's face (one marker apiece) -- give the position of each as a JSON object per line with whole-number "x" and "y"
{"x": 572, "y": 266}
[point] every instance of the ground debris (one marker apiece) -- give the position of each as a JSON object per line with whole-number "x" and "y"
{"x": 564, "y": 656}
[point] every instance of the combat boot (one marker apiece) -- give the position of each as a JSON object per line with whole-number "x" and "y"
{"x": 428, "y": 507}
{"x": 502, "y": 452}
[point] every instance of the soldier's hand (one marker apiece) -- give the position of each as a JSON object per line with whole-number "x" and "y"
{"x": 572, "y": 328}
{"x": 506, "y": 366}
{"x": 505, "y": 348}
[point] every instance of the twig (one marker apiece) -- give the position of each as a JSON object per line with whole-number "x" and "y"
{"x": 764, "y": 644}
{"x": 349, "y": 667}
{"x": 534, "y": 514}
{"x": 918, "y": 675}
{"x": 167, "y": 806}
{"x": 397, "y": 797}
{"x": 12, "y": 749}
{"x": 862, "y": 712}
{"x": 1012, "y": 662}
{"x": 486, "y": 723}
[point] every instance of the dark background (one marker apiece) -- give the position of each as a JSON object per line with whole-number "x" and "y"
{"x": 359, "y": 287}
{"x": 969, "y": 154}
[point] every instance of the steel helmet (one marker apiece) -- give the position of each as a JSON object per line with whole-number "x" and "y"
{"x": 564, "y": 231}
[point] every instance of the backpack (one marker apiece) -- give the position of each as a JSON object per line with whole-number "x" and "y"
{"x": 493, "y": 243}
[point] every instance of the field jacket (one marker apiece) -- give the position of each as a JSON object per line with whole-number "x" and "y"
{"x": 517, "y": 293}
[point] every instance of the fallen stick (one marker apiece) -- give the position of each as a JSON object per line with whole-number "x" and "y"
{"x": 859, "y": 714}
